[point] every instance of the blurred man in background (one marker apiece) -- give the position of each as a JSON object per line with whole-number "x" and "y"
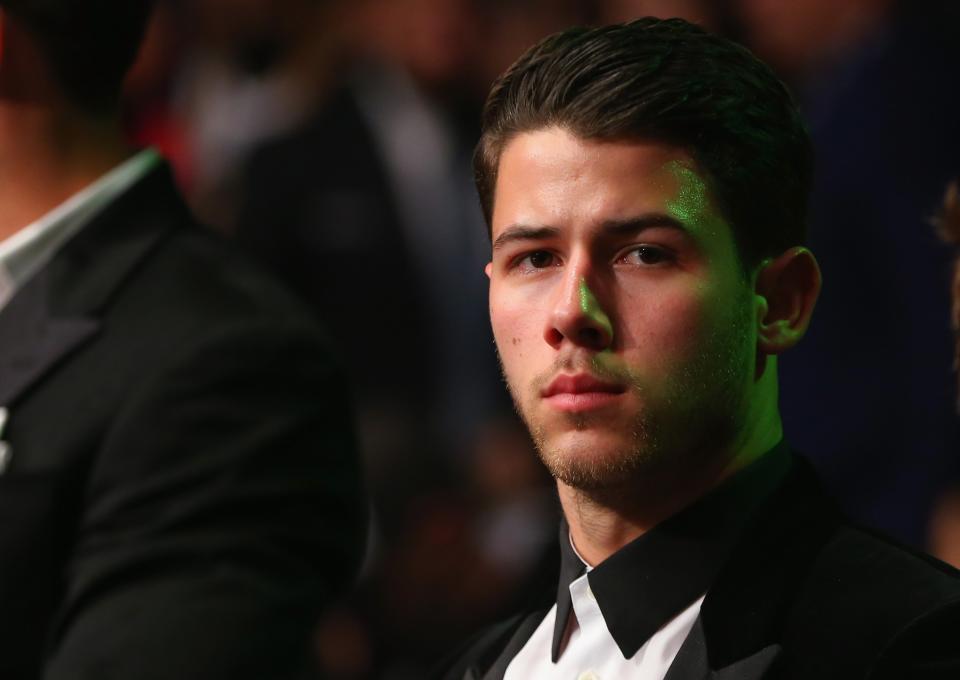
{"x": 179, "y": 489}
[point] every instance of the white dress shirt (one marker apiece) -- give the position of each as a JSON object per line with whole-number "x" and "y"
{"x": 590, "y": 652}
{"x": 29, "y": 249}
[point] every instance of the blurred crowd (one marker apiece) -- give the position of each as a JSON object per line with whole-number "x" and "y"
{"x": 333, "y": 138}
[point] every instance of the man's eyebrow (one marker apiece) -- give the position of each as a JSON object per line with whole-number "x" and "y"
{"x": 523, "y": 232}
{"x": 624, "y": 227}
{"x": 635, "y": 225}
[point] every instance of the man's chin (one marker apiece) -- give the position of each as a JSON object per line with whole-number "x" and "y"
{"x": 589, "y": 462}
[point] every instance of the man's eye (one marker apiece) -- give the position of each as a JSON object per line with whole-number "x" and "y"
{"x": 537, "y": 260}
{"x": 648, "y": 255}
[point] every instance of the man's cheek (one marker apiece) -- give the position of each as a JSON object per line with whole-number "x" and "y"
{"x": 681, "y": 322}
{"x": 513, "y": 332}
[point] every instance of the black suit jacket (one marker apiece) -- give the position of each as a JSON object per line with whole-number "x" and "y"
{"x": 183, "y": 490}
{"x": 804, "y": 595}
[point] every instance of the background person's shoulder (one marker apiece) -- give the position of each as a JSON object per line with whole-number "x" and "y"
{"x": 205, "y": 272}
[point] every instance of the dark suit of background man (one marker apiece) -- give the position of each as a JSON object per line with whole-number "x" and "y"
{"x": 179, "y": 492}
{"x": 645, "y": 186}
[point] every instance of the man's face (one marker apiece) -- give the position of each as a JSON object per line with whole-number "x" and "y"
{"x": 624, "y": 321}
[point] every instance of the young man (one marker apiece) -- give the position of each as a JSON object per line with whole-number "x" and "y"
{"x": 645, "y": 187}
{"x": 179, "y": 490}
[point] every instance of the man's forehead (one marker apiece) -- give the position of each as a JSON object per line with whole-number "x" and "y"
{"x": 549, "y": 170}
{"x": 565, "y": 148}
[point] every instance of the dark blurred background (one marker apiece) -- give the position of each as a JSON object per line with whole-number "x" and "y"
{"x": 332, "y": 139}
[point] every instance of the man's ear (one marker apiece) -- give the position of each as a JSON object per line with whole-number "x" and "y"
{"x": 488, "y": 269}
{"x": 788, "y": 287}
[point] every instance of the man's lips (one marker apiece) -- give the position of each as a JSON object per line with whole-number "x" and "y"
{"x": 580, "y": 392}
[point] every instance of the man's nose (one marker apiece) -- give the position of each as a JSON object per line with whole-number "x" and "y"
{"x": 578, "y": 317}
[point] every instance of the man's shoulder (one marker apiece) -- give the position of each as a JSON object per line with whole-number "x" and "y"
{"x": 145, "y": 254}
{"x": 165, "y": 295}
{"x": 835, "y": 597}
{"x": 840, "y": 562}
{"x": 199, "y": 308}
{"x": 879, "y": 561}
{"x": 174, "y": 276}
{"x": 207, "y": 274}
{"x": 868, "y": 600}
{"x": 869, "y": 575}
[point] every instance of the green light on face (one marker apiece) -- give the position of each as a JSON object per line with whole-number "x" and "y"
{"x": 590, "y": 306}
{"x": 588, "y": 301}
{"x": 691, "y": 205}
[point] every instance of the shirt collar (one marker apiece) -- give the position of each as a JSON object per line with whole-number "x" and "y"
{"x": 655, "y": 577}
{"x": 26, "y": 251}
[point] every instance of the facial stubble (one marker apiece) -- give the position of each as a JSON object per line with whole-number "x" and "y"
{"x": 696, "y": 411}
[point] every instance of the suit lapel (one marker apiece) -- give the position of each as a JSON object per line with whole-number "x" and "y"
{"x": 32, "y": 342}
{"x": 692, "y": 661}
{"x": 513, "y": 646}
{"x": 741, "y": 622}
{"x": 58, "y": 310}
{"x": 752, "y": 667}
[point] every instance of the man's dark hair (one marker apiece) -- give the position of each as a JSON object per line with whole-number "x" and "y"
{"x": 669, "y": 81}
{"x": 89, "y": 44}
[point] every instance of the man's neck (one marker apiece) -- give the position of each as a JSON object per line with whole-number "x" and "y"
{"x": 46, "y": 157}
{"x": 604, "y": 520}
